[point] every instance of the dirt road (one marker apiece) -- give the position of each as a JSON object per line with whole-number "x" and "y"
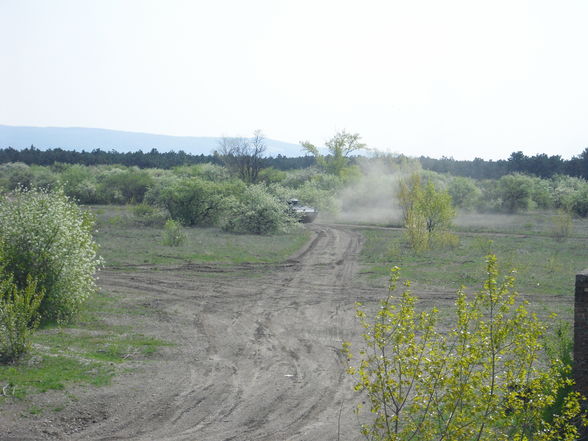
{"x": 256, "y": 355}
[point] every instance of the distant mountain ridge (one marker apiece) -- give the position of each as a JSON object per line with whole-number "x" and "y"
{"x": 82, "y": 138}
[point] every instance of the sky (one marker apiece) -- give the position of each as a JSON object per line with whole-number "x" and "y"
{"x": 455, "y": 78}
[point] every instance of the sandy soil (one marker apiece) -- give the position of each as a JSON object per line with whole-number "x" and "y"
{"x": 256, "y": 355}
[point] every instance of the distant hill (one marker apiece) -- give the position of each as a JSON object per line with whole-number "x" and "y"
{"x": 81, "y": 138}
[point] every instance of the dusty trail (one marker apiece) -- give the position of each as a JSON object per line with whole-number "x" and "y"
{"x": 256, "y": 355}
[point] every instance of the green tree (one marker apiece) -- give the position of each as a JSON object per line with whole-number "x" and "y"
{"x": 464, "y": 192}
{"x": 515, "y": 192}
{"x": 340, "y": 147}
{"x": 427, "y": 212}
{"x": 436, "y": 207}
{"x": 483, "y": 380}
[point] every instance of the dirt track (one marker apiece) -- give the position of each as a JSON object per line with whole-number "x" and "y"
{"x": 257, "y": 354}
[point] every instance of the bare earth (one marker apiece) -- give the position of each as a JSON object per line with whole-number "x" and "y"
{"x": 256, "y": 354}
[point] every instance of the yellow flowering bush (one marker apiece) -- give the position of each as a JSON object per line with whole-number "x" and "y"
{"x": 483, "y": 379}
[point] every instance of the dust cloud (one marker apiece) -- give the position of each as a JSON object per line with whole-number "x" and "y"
{"x": 372, "y": 199}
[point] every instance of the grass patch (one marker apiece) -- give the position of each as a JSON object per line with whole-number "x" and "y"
{"x": 123, "y": 242}
{"x": 43, "y": 373}
{"x": 530, "y": 223}
{"x": 543, "y": 265}
{"x": 89, "y": 351}
{"x": 35, "y": 410}
{"x": 103, "y": 305}
{"x": 108, "y": 347}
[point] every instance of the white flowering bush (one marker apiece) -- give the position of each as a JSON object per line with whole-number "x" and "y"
{"x": 258, "y": 212}
{"x": 48, "y": 238}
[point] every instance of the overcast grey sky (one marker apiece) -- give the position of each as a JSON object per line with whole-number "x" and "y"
{"x": 461, "y": 78}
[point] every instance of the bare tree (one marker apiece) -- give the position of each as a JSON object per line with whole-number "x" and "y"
{"x": 243, "y": 156}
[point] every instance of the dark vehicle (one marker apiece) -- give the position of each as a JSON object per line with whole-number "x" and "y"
{"x": 305, "y": 214}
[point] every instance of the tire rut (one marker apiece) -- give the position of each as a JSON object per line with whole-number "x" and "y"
{"x": 256, "y": 357}
{"x": 256, "y": 352}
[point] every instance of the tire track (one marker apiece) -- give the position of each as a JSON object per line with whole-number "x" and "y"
{"x": 256, "y": 357}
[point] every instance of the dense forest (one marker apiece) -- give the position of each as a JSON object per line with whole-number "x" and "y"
{"x": 540, "y": 165}
{"x": 151, "y": 159}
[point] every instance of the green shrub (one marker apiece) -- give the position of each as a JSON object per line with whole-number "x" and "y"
{"x": 580, "y": 202}
{"x": 298, "y": 177}
{"x": 48, "y": 238}
{"x": 515, "y": 192}
{"x": 565, "y": 189}
{"x": 490, "y": 199}
{"x": 18, "y": 317}
{"x": 18, "y": 174}
{"x": 283, "y": 194}
{"x": 257, "y": 212}
{"x": 173, "y": 236}
{"x": 427, "y": 214}
{"x": 149, "y": 215}
{"x": 483, "y": 379}
{"x": 124, "y": 185}
{"x": 79, "y": 183}
{"x": 193, "y": 201}
{"x": 559, "y": 348}
{"x": 206, "y": 171}
{"x": 562, "y": 225}
{"x": 464, "y": 192}
{"x": 541, "y": 192}
{"x": 15, "y": 174}
{"x": 155, "y": 195}
{"x": 270, "y": 175}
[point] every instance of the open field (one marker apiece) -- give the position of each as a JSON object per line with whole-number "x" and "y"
{"x": 246, "y": 347}
{"x": 249, "y": 357}
{"x": 541, "y": 265}
{"x": 122, "y": 242}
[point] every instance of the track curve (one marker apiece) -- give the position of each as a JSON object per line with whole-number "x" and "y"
{"x": 257, "y": 353}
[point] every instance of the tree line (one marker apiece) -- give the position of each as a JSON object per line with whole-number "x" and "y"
{"x": 151, "y": 159}
{"x": 540, "y": 165}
